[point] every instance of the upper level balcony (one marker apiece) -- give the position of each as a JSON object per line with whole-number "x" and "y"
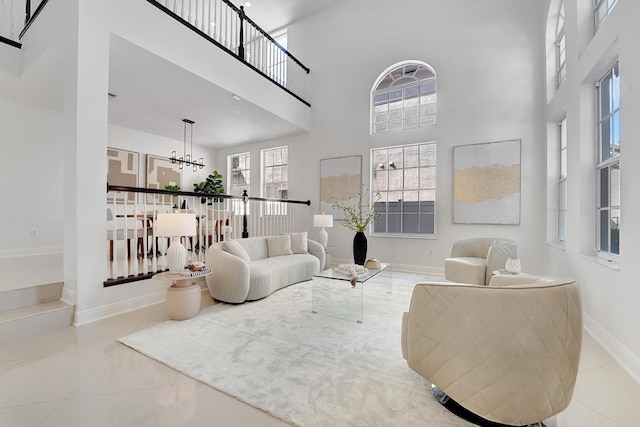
{"x": 203, "y": 59}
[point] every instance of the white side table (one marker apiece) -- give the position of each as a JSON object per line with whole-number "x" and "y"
{"x": 183, "y": 296}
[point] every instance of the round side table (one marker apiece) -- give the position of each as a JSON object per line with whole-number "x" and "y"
{"x": 183, "y": 296}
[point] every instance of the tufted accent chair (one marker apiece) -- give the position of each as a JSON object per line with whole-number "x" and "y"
{"x": 474, "y": 260}
{"x": 508, "y": 352}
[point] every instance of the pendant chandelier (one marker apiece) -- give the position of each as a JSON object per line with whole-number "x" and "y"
{"x": 187, "y": 157}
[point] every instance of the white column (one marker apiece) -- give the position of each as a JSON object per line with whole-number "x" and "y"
{"x": 85, "y": 112}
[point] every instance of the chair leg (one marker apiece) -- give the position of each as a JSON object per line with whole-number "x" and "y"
{"x": 110, "y": 250}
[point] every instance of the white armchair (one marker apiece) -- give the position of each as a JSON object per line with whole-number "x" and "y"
{"x": 474, "y": 260}
{"x": 507, "y": 353}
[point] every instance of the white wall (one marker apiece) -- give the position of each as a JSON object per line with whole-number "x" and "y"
{"x": 31, "y": 178}
{"x": 610, "y": 289}
{"x": 490, "y": 88}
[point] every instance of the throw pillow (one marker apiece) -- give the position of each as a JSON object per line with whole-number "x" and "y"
{"x": 279, "y": 245}
{"x": 299, "y": 243}
{"x": 234, "y": 248}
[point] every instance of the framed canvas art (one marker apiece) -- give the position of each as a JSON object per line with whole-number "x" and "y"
{"x": 486, "y": 183}
{"x": 123, "y": 169}
{"x": 340, "y": 180}
{"x": 160, "y": 173}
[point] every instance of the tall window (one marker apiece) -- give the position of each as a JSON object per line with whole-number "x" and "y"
{"x": 403, "y": 98}
{"x": 602, "y": 8}
{"x": 275, "y": 176}
{"x": 608, "y": 167}
{"x": 239, "y": 171}
{"x": 562, "y": 181}
{"x": 561, "y": 56}
{"x": 404, "y": 189}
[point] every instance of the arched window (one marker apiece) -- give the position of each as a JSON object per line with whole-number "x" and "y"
{"x": 403, "y": 97}
{"x": 561, "y": 57}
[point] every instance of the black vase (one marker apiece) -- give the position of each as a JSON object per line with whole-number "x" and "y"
{"x": 359, "y": 248}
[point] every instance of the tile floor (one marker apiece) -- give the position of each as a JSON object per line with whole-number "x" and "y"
{"x": 79, "y": 376}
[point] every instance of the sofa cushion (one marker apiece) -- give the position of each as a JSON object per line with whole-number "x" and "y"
{"x": 465, "y": 270}
{"x": 299, "y": 243}
{"x": 279, "y": 245}
{"x": 270, "y": 274}
{"x": 234, "y": 248}
{"x": 256, "y": 247}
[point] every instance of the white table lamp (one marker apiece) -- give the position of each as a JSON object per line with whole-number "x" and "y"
{"x": 323, "y": 221}
{"x": 176, "y": 225}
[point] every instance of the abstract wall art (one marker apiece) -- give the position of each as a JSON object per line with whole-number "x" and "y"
{"x": 486, "y": 183}
{"x": 340, "y": 180}
{"x": 123, "y": 170}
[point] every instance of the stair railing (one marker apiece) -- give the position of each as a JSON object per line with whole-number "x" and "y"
{"x": 136, "y": 252}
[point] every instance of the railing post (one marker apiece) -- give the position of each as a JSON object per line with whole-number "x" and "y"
{"x": 241, "y": 41}
{"x": 27, "y": 13}
{"x": 245, "y": 200}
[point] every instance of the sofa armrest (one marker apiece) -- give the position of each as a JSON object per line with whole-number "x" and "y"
{"x": 317, "y": 250}
{"x": 497, "y": 257}
{"x": 229, "y": 278}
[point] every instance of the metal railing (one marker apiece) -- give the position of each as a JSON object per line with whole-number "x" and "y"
{"x": 136, "y": 252}
{"x": 16, "y": 16}
{"x": 232, "y": 30}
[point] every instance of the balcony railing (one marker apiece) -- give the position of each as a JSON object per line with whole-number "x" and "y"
{"x": 228, "y": 27}
{"x": 136, "y": 252}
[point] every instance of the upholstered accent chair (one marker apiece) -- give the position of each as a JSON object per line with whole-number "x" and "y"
{"x": 507, "y": 352}
{"x": 127, "y": 233}
{"x": 474, "y": 260}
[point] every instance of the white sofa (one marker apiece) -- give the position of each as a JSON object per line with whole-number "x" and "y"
{"x": 235, "y": 280}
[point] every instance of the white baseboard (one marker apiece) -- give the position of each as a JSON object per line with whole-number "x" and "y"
{"x": 406, "y": 268}
{"x": 110, "y": 310}
{"x": 23, "y": 252}
{"x": 68, "y": 296}
{"x": 625, "y": 357}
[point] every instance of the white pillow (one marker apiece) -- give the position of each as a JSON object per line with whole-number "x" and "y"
{"x": 299, "y": 243}
{"x": 279, "y": 245}
{"x": 234, "y": 248}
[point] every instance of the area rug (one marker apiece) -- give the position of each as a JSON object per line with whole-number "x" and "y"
{"x": 303, "y": 368}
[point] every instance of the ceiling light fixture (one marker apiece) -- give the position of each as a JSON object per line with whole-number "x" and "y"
{"x": 186, "y": 158}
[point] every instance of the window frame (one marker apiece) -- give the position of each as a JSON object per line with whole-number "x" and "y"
{"x": 403, "y": 81}
{"x": 270, "y": 208}
{"x": 609, "y": 164}
{"x": 561, "y": 48}
{"x": 375, "y": 193}
{"x": 237, "y": 205}
{"x": 607, "y": 6}
{"x": 562, "y": 181}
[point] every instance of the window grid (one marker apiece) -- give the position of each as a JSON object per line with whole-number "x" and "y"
{"x": 275, "y": 177}
{"x": 608, "y": 166}
{"x": 404, "y": 98}
{"x": 240, "y": 179}
{"x": 562, "y": 181}
{"x": 404, "y": 189}
{"x": 602, "y": 9}
{"x": 561, "y": 56}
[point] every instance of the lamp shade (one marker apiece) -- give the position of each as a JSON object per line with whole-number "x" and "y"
{"x": 176, "y": 224}
{"x": 323, "y": 220}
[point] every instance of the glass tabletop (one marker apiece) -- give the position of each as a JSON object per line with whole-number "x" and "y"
{"x": 333, "y": 273}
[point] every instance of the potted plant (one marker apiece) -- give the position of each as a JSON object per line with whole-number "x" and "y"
{"x": 212, "y": 185}
{"x": 358, "y": 217}
{"x": 173, "y": 188}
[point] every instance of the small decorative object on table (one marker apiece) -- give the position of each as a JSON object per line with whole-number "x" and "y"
{"x": 354, "y": 271}
{"x": 513, "y": 265}
{"x": 358, "y": 217}
{"x": 373, "y": 264}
